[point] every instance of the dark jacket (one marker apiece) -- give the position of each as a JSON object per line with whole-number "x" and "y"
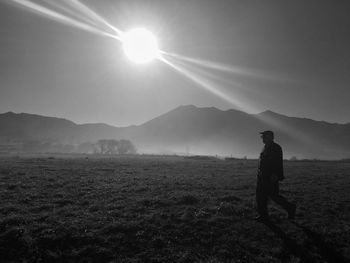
{"x": 271, "y": 161}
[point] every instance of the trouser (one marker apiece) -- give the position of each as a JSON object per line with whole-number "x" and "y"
{"x": 266, "y": 190}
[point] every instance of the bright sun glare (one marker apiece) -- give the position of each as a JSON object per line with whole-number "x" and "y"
{"x": 140, "y": 45}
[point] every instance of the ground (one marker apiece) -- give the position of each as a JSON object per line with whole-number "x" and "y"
{"x": 168, "y": 209}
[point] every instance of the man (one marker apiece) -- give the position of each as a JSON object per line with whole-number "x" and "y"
{"x": 270, "y": 172}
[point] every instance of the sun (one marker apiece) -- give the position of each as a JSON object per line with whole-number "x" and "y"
{"x": 140, "y": 45}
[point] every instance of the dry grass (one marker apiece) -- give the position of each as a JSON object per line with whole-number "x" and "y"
{"x": 170, "y": 209}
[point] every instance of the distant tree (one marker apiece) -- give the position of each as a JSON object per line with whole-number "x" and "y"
{"x": 112, "y": 147}
{"x": 108, "y": 146}
{"x": 115, "y": 147}
{"x": 126, "y": 147}
{"x": 102, "y": 146}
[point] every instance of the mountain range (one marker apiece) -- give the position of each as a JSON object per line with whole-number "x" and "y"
{"x": 192, "y": 130}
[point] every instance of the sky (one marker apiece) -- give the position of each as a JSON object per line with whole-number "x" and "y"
{"x": 291, "y": 57}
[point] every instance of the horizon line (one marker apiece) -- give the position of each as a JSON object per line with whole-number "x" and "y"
{"x": 180, "y": 106}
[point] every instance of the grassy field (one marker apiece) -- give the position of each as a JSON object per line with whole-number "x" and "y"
{"x": 168, "y": 209}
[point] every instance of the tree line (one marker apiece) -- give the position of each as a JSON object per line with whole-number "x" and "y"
{"x": 103, "y": 146}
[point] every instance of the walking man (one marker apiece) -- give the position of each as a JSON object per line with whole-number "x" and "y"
{"x": 270, "y": 172}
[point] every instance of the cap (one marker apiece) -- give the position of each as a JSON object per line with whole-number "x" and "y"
{"x": 269, "y": 133}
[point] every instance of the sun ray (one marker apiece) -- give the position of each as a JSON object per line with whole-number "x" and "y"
{"x": 41, "y": 10}
{"x": 59, "y": 5}
{"x": 225, "y": 67}
{"x": 269, "y": 121}
{"x": 207, "y": 85}
{"x": 90, "y": 13}
{"x": 204, "y": 71}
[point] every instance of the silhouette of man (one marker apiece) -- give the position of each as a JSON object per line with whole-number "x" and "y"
{"x": 270, "y": 172}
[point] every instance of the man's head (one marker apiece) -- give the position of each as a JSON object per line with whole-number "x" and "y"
{"x": 267, "y": 137}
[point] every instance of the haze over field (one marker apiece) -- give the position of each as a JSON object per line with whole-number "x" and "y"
{"x": 192, "y": 130}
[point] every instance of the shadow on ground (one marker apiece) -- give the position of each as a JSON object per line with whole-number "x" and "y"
{"x": 325, "y": 249}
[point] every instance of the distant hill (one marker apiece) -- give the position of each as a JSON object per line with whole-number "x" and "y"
{"x": 189, "y": 129}
{"x": 25, "y": 126}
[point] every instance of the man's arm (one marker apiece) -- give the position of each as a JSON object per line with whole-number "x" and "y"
{"x": 279, "y": 164}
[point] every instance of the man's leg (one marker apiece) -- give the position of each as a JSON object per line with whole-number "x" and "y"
{"x": 282, "y": 201}
{"x": 261, "y": 198}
